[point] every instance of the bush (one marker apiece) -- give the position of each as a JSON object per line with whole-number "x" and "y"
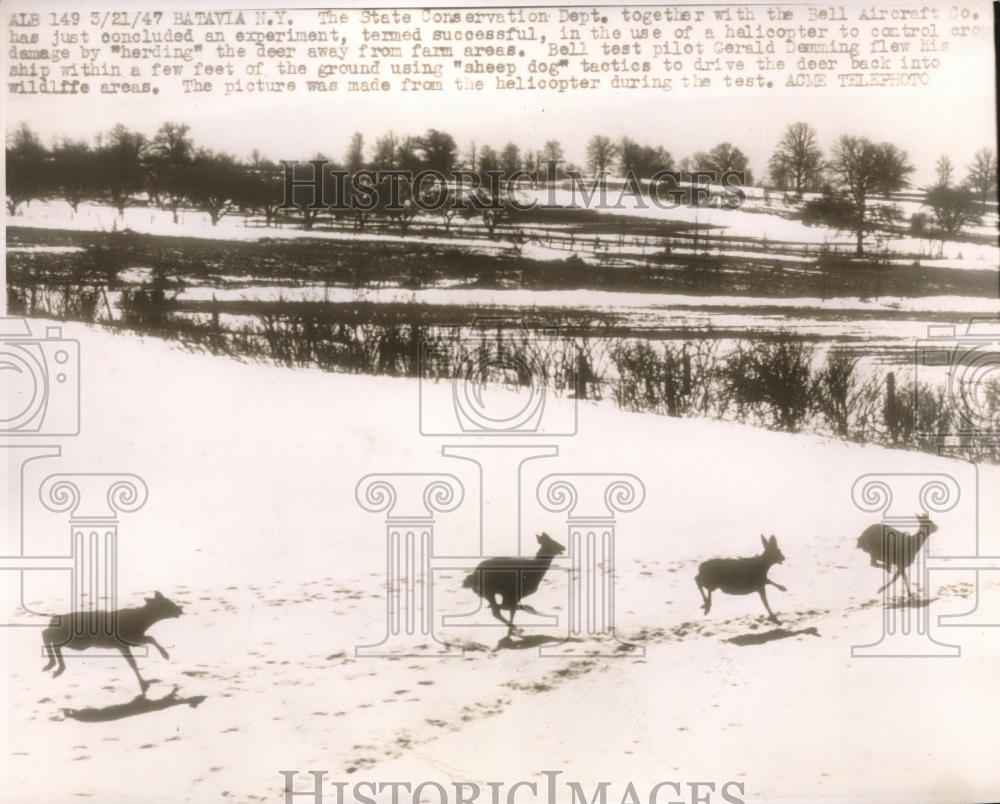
{"x": 770, "y": 382}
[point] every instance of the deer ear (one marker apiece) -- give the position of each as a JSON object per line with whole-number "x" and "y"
{"x": 763, "y": 540}
{"x": 158, "y": 596}
{"x": 538, "y": 536}
{"x": 774, "y": 540}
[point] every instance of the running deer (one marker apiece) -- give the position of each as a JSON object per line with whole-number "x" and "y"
{"x": 121, "y": 630}
{"x": 512, "y": 579}
{"x": 741, "y": 576}
{"x": 888, "y": 548}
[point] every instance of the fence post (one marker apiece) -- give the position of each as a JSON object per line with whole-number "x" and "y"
{"x": 890, "y": 406}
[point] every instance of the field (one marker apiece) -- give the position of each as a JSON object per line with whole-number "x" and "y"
{"x": 746, "y": 368}
{"x": 632, "y": 294}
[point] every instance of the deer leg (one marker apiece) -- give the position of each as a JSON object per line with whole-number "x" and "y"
{"x": 50, "y": 652}
{"x": 775, "y": 585}
{"x": 62, "y": 665}
{"x": 495, "y": 610}
{"x": 148, "y": 640}
{"x": 763, "y": 597}
{"x": 906, "y": 581}
{"x": 127, "y": 654}
{"x": 706, "y": 597}
{"x": 892, "y": 580}
{"x": 55, "y": 659}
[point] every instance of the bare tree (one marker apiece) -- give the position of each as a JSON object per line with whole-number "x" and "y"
{"x": 982, "y": 175}
{"x": 953, "y": 207}
{"x": 552, "y": 151}
{"x": 722, "y": 159}
{"x": 120, "y": 165}
{"x": 74, "y": 169}
{"x": 470, "y": 161}
{"x": 27, "y": 168}
{"x": 354, "y": 159}
{"x": 864, "y": 168}
{"x": 601, "y": 153}
{"x": 510, "y": 159}
{"x": 385, "y": 156}
{"x": 216, "y": 185}
{"x": 944, "y": 171}
{"x": 797, "y": 162}
{"x": 642, "y": 161}
{"x": 439, "y": 151}
{"x": 170, "y": 161}
{"x": 489, "y": 160}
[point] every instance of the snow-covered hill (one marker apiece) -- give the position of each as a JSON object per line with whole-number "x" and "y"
{"x": 253, "y": 526}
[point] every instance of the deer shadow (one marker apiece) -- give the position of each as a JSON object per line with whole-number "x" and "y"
{"x": 140, "y": 705}
{"x": 524, "y": 643}
{"x": 910, "y": 603}
{"x": 770, "y": 636}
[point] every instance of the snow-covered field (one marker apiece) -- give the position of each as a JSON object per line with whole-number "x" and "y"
{"x": 252, "y": 525}
{"x": 755, "y": 221}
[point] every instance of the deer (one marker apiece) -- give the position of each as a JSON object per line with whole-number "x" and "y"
{"x": 888, "y": 548}
{"x": 741, "y": 576}
{"x": 122, "y": 630}
{"x": 512, "y": 579}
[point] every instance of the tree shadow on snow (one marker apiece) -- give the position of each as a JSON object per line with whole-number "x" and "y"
{"x": 140, "y": 705}
{"x": 769, "y": 636}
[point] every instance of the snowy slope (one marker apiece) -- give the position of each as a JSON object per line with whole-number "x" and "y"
{"x": 252, "y": 525}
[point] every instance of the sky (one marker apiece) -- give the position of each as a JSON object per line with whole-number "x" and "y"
{"x": 955, "y": 115}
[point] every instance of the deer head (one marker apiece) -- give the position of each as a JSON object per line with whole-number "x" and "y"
{"x": 548, "y": 546}
{"x": 162, "y": 607}
{"x": 771, "y": 550}
{"x": 926, "y": 526}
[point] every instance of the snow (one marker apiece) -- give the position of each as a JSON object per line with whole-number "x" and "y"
{"x": 753, "y": 221}
{"x": 579, "y": 299}
{"x": 252, "y": 525}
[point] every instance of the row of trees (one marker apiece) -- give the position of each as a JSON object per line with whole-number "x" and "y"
{"x": 123, "y": 165}
{"x": 173, "y": 171}
{"x": 859, "y": 175}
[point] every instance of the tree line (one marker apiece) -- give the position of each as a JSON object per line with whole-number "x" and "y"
{"x": 122, "y": 166}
